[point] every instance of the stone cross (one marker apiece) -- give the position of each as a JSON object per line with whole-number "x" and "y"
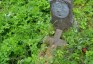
{"x": 55, "y": 40}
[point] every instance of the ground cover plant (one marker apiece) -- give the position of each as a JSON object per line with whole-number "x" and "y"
{"x": 24, "y": 23}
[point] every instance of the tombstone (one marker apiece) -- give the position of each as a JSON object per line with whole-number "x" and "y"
{"x": 62, "y": 19}
{"x": 61, "y": 13}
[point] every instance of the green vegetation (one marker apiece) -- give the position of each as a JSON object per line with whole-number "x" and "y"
{"x": 24, "y": 23}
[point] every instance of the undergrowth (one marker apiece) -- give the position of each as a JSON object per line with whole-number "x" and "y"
{"x": 24, "y": 23}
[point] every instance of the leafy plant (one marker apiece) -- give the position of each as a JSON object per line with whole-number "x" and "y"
{"x": 24, "y": 23}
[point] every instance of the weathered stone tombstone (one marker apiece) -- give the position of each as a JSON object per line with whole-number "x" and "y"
{"x": 61, "y": 12}
{"x": 62, "y": 19}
